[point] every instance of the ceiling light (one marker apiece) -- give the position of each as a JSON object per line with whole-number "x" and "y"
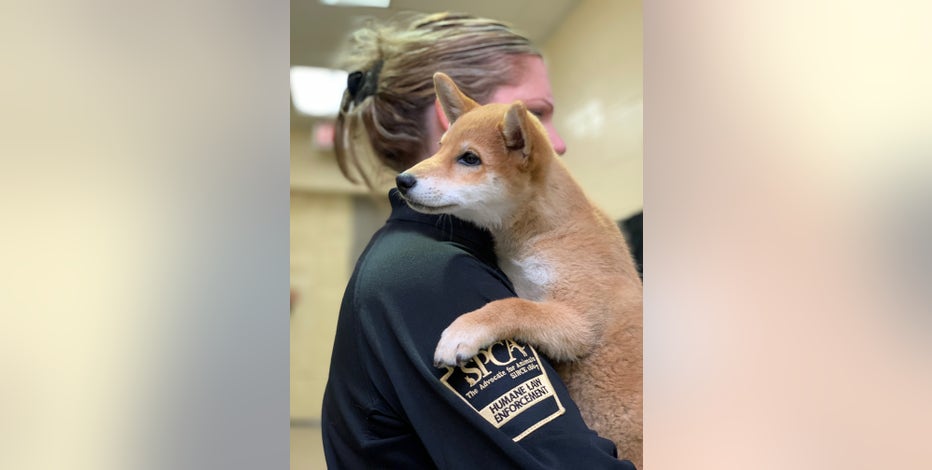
{"x": 357, "y": 3}
{"x": 317, "y": 91}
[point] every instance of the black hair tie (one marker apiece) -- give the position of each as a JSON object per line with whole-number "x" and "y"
{"x": 353, "y": 81}
{"x": 364, "y": 84}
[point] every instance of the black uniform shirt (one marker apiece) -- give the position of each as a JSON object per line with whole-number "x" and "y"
{"x": 387, "y": 406}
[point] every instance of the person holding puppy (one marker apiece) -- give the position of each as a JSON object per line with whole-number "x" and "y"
{"x": 386, "y": 405}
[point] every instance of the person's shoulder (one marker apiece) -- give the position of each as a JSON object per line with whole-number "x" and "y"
{"x": 414, "y": 286}
{"x": 403, "y": 257}
{"x": 424, "y": 274}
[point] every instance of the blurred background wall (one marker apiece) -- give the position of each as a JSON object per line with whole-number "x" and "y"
{"x": 594, "y": 52}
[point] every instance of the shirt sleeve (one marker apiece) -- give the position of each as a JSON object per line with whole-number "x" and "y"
{"x": 506, "y": 408}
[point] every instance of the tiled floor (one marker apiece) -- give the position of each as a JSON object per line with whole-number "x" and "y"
{"x": 307, "y": 450}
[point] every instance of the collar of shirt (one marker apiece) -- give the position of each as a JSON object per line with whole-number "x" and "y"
{"x": 476, "y": 240}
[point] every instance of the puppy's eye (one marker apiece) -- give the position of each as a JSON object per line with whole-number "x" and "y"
{"x": 469, "y": 159}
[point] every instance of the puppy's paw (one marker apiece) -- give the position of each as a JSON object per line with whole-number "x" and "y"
{"x": 460, "y": 342}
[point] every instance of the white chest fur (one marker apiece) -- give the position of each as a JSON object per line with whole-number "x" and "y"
{"x": 531, "y": 275}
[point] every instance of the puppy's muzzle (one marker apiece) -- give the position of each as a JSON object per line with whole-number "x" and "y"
{"x": 405, "y": 182}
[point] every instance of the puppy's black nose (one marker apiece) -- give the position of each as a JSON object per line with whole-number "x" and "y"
{"x": 405, "y": 182}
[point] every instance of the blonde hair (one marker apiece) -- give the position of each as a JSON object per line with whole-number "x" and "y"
{"x": 391, "y": 86}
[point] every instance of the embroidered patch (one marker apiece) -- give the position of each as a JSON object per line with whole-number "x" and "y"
{"x": 507, "y": 385}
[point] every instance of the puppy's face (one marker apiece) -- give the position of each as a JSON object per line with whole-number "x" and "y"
{"x": 486, "y": 164}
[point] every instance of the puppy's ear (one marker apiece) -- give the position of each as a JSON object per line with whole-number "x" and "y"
{"x": 452, "y": 100}
{"x": 515, "y": 129}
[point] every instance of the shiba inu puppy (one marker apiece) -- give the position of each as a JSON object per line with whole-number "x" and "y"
{"x": 580, "y": 296}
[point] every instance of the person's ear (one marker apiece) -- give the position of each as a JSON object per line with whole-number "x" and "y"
{"x": 441, "y": 116}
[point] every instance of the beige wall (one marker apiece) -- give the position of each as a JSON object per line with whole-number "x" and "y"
{"x": 321, "y": 238}
{"x": 596, "y": 68}
{"x": 313, "y": 170}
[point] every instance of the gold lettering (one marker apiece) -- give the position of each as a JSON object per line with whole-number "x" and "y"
{"x": 512, "y": 345}
{"x": 475, "y": 370}
{"x": 480, "y": 365}
{"x": 490, "y": 357}
{"x": 467, "y": 371}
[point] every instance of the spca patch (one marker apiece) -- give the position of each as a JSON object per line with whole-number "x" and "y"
{"x": 508, "y": 386}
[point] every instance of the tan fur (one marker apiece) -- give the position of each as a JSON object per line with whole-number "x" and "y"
{"x": 580, "y": 295}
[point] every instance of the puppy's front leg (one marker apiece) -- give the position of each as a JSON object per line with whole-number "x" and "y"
{"x": 557, "y": 330}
